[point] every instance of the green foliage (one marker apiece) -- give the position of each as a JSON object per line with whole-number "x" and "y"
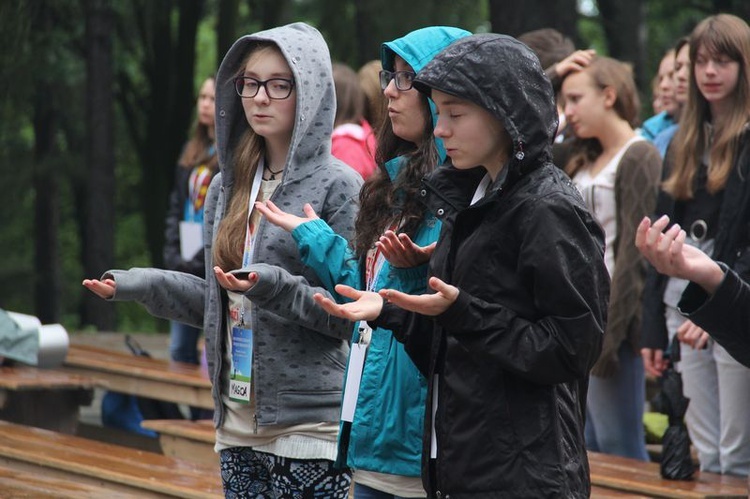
{"x": 56, "y": 55}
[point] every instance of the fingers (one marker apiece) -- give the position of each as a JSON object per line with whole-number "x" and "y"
{"x": 665, "y": 241}
{"x": 678, "y": 243}
{"x": 309, "y": 211}
{"x": 103, "y": 289}
{"x": 692, "y": 335}
{"x": 641, "y": 231}
{"x": 576, "y": 61}
{"x": 430, "y": 304}
{"x": 348, "y": 291}
{"x": 653, "y": 361}
{"x": 391, "y": 243}
{"x": 328, "y": 305}
{"x": 401, "y": 251}
{"x": 396, "y": 297}
{"x": 232, "y": 282}
{"x": 654, "y": 233}
{"x": 367, "y": 306}
{"x": 448, "y": 291}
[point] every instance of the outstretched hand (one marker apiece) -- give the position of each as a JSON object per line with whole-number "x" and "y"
{"x": 366, "y": 306}
{"x": 401, "y": 252}
{"x": 235, "y": 282}
{"x": 430, "y": 304}
{"x": 103, "y": 289}
{"x": 282, "y": 219}
{"x": 669, "y": 254}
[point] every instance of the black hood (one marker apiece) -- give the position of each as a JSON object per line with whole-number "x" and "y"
{"x": 503, "y": 76}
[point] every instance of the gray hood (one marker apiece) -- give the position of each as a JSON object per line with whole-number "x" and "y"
{"x": 503, "y": 76}
{"x": 307, "y": 54}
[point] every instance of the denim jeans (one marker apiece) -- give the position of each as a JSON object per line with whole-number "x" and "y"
{"x": 365, "y": 492}
{"x": 183, "y": 343}
{"x": 614, "y": 412}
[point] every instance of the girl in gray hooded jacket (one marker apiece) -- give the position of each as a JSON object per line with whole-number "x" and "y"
{"x": 275, "y": 362}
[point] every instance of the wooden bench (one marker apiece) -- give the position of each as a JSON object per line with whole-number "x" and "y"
{"x": 638, "y": 477}
{"x": 15, "y": 484}
{"x": 120, "y": 470}
{"x": 602, "y": 493}
{"x": 143, "y": 376}
{"x": 191, "y": 440}
{"x": 44, "y": 398}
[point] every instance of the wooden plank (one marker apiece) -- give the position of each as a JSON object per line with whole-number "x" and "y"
{"x": 191, "y": 440}
{"x": 44, "y": 398}
{"x": 631, "y": 475}
{"x": 602, "y": 493}
{"x": 19, "y": 378}
{"x": 17, "y": 484}
{"x": 97, "y": 462}
{"x": 143, "y": 376}
{"x": 200, "y": 431}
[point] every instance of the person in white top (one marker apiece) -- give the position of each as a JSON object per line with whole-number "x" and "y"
{"x": 617, "y": 173}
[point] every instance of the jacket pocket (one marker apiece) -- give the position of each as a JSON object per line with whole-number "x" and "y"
{"x": 308, "y": 406}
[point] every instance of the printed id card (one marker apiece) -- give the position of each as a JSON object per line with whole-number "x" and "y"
{"x": 241, "y": 366}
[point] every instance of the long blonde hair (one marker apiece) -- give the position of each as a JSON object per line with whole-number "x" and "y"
{"x": 727, "y": 35}
{"x": 230, "y": 235}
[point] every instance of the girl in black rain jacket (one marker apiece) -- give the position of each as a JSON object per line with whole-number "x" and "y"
{"x": 516, "y": 320}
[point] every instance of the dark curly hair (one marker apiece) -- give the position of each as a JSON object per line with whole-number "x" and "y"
{"x": 383, "y": 201}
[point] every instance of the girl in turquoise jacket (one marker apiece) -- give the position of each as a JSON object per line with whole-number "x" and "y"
{"x": 382, "y": 415}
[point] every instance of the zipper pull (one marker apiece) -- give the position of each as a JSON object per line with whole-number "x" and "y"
{"x": 255, "y": 424}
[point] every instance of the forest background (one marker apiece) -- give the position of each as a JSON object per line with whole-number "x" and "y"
{"x": 97, "y": 98}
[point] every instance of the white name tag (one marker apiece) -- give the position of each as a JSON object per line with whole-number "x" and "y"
{"x": 191, "y": 239}
{"x": 353, "y": 379}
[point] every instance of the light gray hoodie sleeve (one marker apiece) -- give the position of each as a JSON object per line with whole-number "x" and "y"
{"x": 167, "y": 294}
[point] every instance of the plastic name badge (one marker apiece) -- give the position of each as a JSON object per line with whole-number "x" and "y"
{"x": 240, "y": 375}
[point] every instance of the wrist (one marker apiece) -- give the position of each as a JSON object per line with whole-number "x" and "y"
{"x": 711, "y": 278}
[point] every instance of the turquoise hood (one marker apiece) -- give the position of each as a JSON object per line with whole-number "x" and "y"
{"x": 417, "y": 49}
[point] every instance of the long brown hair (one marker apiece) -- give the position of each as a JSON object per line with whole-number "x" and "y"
{"x": 350, "y": 97}
{"x": 230, "y": 235}
{"x": 606, "y": 72}
{"x": 382, "y": 201}
{"x": 369, "y": 79}
{"x": 727, "y": 35}
{"x": 199, "y": 149}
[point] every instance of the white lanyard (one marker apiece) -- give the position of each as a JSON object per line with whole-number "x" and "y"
{"x": 247, "y": 254}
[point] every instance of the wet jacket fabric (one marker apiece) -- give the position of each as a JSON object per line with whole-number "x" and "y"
{"x": 299, "y": 352}
{"x": 386, "y": 434}
{"x": 507, "y": 363}
{"x": 732, "y": 244}
{"x": 726, "y": 313}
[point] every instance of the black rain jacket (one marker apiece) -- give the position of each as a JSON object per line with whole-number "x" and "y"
{"x": 512, "y": 355}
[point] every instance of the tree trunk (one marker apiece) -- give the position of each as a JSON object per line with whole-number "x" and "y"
{"x": 271, "y": 14}
{"x": 98, "y": 244}
{"x": 170, "y": 110}
{"x": 46, "y": 208}
{"x": 624, "y": 26}
{"x": 226, "y": 31}
{"x": 47, "y": 199}
{"x": 513, "y": 17}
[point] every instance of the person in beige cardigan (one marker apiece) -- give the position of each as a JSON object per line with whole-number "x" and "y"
{"x": 617, "y": 172}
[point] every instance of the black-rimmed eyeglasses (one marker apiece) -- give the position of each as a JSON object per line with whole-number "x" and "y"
{"x": 276, "y": 88}
{"x": 403, "y": 79}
